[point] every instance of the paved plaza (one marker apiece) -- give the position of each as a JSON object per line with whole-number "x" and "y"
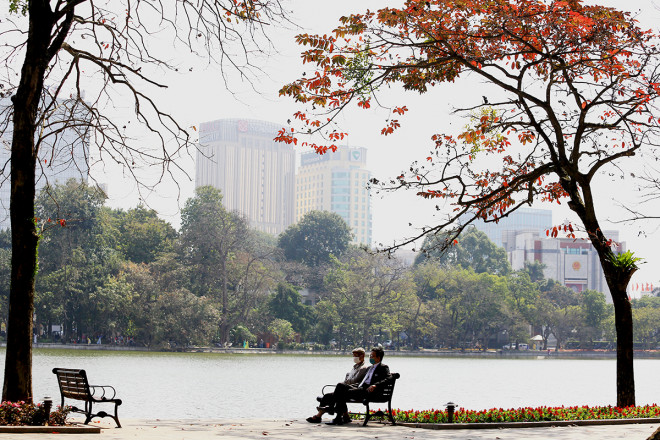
{"x": 298, "y": 428}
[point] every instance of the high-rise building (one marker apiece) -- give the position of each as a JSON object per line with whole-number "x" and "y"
{"x": 255, "y": 174}
{"x": 337, "y": 182}
{"x": 63, "y": 155}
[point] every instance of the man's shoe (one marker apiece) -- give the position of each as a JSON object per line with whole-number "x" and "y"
{"x": 314, "y": 419}
{"x": 336, "y": 421}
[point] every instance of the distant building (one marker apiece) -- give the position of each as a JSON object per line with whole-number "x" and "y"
{"x": 523, "y": 219}
{"x": 255, "y": 174}
{"x": 337, "y": 182}
{"x": 63, "y": 155}
{"x": 573, "y": 263}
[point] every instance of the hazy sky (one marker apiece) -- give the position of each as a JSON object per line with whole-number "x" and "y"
{"x": 201, "y": 95}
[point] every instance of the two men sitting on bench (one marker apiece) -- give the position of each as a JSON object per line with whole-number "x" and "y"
{"x": 370, "y": 386}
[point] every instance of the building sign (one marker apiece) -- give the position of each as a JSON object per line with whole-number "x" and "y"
{"x": 575, "y": 267}
{"x": 242, "y": 126}
{"x": 312, "y": 158}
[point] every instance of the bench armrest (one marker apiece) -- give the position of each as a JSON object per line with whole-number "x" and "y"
{"x": 323, "y": 392}
{"x": 102, "y": 392}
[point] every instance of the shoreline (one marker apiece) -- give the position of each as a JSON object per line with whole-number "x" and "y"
{"x": 489, "y": 354}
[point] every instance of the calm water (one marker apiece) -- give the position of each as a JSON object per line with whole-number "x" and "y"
{"x": 206, "y": 385}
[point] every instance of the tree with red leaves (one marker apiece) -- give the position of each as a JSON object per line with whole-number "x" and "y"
{"x": 577, "y": 90}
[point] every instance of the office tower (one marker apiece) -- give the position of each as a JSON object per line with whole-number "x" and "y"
{"x": 255, "y": 174}
{"x": 63, "y": 155}
{"x": 336, "y": 182}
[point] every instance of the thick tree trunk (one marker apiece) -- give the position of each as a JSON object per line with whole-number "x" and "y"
{"x": 18, "y": 361}
{"x": 625, "y": 377}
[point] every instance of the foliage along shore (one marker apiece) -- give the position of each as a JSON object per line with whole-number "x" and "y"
{"x": 504, "y": 354}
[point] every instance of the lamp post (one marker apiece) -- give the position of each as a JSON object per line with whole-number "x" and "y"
{"x": 450, "y": 411}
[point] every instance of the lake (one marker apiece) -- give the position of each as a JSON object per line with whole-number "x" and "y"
{"x": 212, "y": 385}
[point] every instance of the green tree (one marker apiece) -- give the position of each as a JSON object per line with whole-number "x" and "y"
{"x": 472, "y": 250}
{"x": 367, "y": 289}
{"x": 647, "y": 326}
{"x": 142, "y": 235}
{"x": 281, "y": 329}
{"x": 70, "y": 217}
{"x": 210, "y": 238}
{"x": 475, "y": 305}
{"x": 286, "y": 304}
{"x": 327, "y": 319}
{"x": 182, "y": 319}
{"x": 535, "y": 270}
{"x": 523, "y": 298}
{"x": 595, "y": 311}
{"x": 558, "y": 311}
{"x": 317, "y": 236}
{"x": 76, "y": 258}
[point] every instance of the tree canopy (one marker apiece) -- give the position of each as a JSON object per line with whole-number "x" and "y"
{"x": 576, "y": 87}
{"x": 474, "y": 249}
{"x": 317, "y": 236}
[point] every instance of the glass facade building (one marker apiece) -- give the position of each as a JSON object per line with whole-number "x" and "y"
{"x": 255, "y": 174}
{"x": 337, "y": 182}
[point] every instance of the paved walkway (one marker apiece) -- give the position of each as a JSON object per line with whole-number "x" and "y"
{"x": 297, "y": 429}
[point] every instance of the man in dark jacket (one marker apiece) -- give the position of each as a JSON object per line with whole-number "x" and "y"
{"x": 377, "y": 375}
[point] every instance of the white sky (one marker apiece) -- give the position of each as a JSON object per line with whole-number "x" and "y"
{"x": 201, "y": 95}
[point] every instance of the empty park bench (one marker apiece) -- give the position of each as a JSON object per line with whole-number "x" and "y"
{"x": 74, "y": 385}
{"x": 384, "y": 396}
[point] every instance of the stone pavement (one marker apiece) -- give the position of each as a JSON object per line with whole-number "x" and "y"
{"x": 298, "y": 428}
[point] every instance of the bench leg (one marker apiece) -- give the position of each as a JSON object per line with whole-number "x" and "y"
{"x": 389, "y": 412}
{"x": 116, "y": 417}
{"x": 88, "y": 412}
{"x": 89, "y": 415}
{"x": 367, "y": 416}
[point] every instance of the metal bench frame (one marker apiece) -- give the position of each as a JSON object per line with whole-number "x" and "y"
{"x": 385, "y": 396}
{"x": 74, "y": 385}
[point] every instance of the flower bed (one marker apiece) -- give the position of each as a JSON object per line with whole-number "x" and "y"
{"x": 30, "y": 414}
{"x": 540, "y": 414}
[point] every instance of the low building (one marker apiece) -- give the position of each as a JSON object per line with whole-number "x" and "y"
{"x": 574, "y": 263}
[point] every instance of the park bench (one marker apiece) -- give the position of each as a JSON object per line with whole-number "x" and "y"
{"x": 74, "y": 385}
{"x": 385, "y": 396}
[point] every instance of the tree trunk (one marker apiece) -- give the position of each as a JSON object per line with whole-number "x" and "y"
{"x": 18, "y": 360}
{"x": 625, "y": 377}
{"x": 224, "y": 330}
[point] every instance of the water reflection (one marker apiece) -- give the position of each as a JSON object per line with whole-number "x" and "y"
{"x": 207, "y": 385}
